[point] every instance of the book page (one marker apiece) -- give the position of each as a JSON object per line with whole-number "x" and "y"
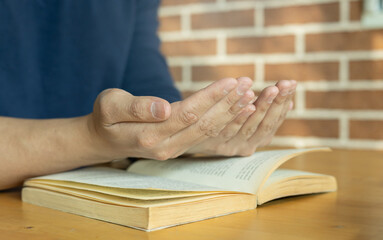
{"x": 286, "y": 182}
{"x": 283, "y": 174}
{"x": 115, "y": 178}
{"x": 124, "y": 201}
{"x": 141, "y": 194}
{"x": 243, "y": 174}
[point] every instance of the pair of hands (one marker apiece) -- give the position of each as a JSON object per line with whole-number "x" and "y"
{"x": 224, "y": 118}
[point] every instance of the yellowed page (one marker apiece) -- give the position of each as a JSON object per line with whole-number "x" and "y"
{"x": 140, "y": 194}
{"x": 286, "y": 182}
{"x": 284, "y": 174}
{"x": 243, "y": 174}
{"x": 115, "y": 178}
{"x": 123, "y": 201}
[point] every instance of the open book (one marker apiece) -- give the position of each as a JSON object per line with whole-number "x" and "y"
{"x": 151, "y": 194}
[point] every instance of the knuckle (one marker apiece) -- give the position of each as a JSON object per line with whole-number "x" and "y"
{"x": 228, "y": 134}
{"x": 147, "y": 142}
{"x": 248, "y": 132}
{"x": 239, "y": 121}
{"x": 106, "y": 105}
{"x": 136, "y": 110}
{"x": 230, "y": 100}
{"x": 188, "y": 118}
{"x": 232, "y": 111}
{"x": 107, "y": 93}
{"x": 207, "y": 127}
{"x": 213, "y": 132}
{"x": 106, "y": 109}
{"x": 262, "y": 108}
{"x": 162, "y": 155}
{"x": 268, "y": 127}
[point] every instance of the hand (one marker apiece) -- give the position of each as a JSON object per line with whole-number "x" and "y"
{"x": 256, "y": 124}
{"x": 126, "y": 126}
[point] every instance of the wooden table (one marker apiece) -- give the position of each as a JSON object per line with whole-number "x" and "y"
{"x": 354, "y": 212}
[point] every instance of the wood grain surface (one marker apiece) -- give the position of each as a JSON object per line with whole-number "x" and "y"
{"x": 355, "y": 211}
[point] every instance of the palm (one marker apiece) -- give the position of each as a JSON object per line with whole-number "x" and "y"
{"x": 252, "y": 129}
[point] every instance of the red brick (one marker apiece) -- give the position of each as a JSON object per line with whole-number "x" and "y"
{"x": 170, "y": 23}
{"x": 309, "y": 128}
{"x": 366, "y": 129}
{"x": 328, "y": 12}
{"x": 208, "y": 73}
{"x": 276, "y": 44}
{"x": 184, "y": 2}
{"x": 176, "y": 73}
{"x": 189, "y": 48}
{"x": 366, "y": 70}
{"x": 327, "y": 71}
{"x": 345, "y": 41}
{"x": 356, "y": 9}
{"x": 231, "y": 19}
{"x": 348, "y": 100}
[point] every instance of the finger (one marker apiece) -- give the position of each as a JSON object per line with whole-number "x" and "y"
{"x": 233, "y": 127}
{"x": 288, "y": 105}
{"x": 188, "y": 111}
{"x": 289, "y": 101}
{"x": 284, "y": 103}
{"x": 247, "y": 99}
{"x": 225, "y": 136}
{"x": 241, "y": 137}
{"x": 118, "y": 106}
{"x": 262, "y": 104}
{"x": 216, "y": 118}
{"x": 275, "y": 114}
{"x": 226, "y": 110}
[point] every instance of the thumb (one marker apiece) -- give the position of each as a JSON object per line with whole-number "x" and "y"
{"x": 117, "y": 105}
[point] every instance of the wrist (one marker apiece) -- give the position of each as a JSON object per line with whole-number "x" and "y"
{"x": 98, "y": 150}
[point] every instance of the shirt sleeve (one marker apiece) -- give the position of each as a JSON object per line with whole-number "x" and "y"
{"x": 147, "y": 73}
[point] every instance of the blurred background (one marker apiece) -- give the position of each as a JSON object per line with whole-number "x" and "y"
{"x": 333, "y": 48}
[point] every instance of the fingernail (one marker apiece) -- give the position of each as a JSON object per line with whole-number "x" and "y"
{"x": 252, "y": 101}
{"x": 242, "y": 88}
{"x": 252, "y": 108}
{"x": 158, "y": 110}
{"x": 270, "y": 99}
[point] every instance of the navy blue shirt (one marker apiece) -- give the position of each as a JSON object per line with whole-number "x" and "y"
{"x": 56, "y": 56}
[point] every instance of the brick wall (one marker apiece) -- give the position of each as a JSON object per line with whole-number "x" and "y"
{"x": 320, "y": 43}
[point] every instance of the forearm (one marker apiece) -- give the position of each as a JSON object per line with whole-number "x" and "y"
{"x": 31, "y": 148}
